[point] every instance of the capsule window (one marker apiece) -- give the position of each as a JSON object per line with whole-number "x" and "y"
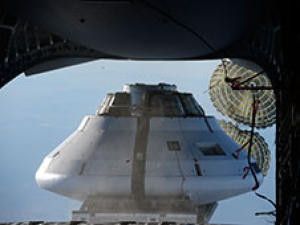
{"x": 165, "y": 105}
{"x": 211, "y": 150}
{"x": 121, "y": 99}
{"x": 191, "y": 107}
{"x": 173, "y": 145}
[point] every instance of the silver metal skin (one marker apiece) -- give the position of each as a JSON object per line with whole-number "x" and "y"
{"x": 147, "y": 144}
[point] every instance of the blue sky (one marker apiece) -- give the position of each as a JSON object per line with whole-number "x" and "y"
{"x": 39, "y": 112}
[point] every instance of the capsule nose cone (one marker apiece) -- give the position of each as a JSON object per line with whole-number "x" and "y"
{"x": 39, "y": 179}
{"x": 41, "y": 172}
{"x": 46, "y": 180}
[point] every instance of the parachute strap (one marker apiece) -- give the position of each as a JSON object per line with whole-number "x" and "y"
{"x": 237, "y": 84}
{"x": 255, "y": 106}
{"x": 234, "y": 82}
{"x": 246, "y": 171}
{"x": 237, "y": 152}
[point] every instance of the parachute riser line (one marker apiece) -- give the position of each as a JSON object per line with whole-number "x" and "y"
{"x": 254, "y": 111}
{"x": 238, "y": 85}
{"x": 252, "y": 88}
{"x": 237, "y": 152}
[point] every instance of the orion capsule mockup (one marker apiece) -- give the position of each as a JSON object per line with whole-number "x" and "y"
{"x": 149, "y": 154}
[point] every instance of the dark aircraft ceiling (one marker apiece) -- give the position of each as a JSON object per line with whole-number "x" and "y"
{"x": 44, "y": 35}
{"x": 143, "y": 29}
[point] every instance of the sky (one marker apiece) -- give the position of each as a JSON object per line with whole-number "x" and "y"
{"x": 39, "y": 112}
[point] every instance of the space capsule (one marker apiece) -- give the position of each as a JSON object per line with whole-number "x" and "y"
{"x": 149, "y": 149}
